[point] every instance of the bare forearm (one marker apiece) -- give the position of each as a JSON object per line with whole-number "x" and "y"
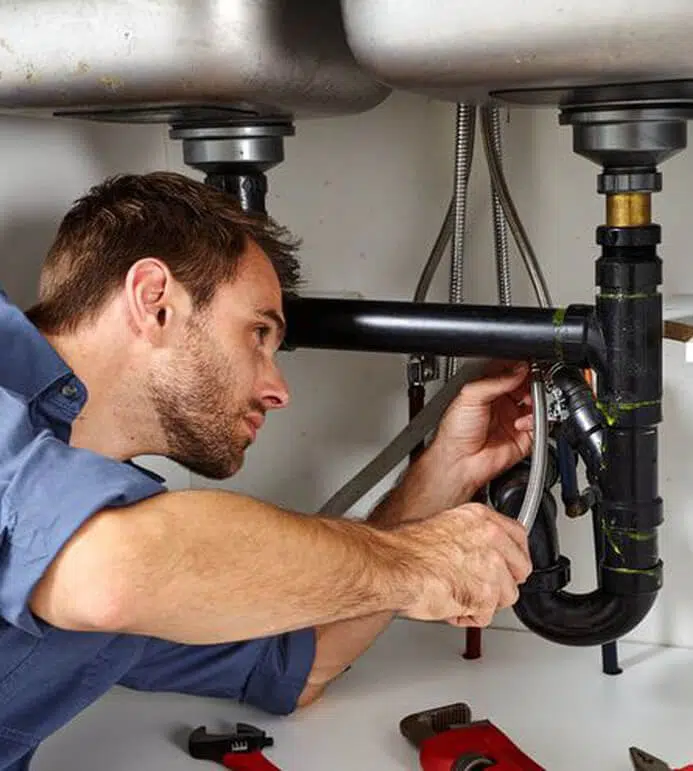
{"x": 341, "y": 643}
{"x": 205, "y": 567}
{"x": 423, "y": 491}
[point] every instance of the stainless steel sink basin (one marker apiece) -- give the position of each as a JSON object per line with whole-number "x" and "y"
{"x": 155, "y": 59}
{"x": 465, "y": 49}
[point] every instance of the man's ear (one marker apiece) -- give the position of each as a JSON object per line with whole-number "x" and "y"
{"x": 153, "y": 299}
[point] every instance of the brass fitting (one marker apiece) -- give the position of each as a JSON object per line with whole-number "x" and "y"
{"x": 625, "y": 210}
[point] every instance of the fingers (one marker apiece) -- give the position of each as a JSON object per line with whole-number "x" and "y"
{"x": 483, "y": 608}
{"x": 522, "y": 394}
{"x": 481, "y": 621}
{"x": 488, "y": 389}
{"x": 512, "y": 550}
{"x": 499, "y": 366}
{"x": 517, "y": 559}
{"x": 508, "y": 539}
{"x": 473, "y": 559}
{"x": 509, "y": 592}
{"x": 524, "y": 423}
{"x": 483, "y": 616}
{"x": 523, "y": 441}
{"x": 513, "y": 528}
{"x": 504, "y": 595}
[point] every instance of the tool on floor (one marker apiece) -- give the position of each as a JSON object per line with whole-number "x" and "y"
{"x": 239, "y": 750}
{"x": 449, "y": 740}
{"x": 643, "y": 761}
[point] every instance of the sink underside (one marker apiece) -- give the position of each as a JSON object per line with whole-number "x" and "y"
{"x": 540, "y": 50}
{"x": 154, "y": 60}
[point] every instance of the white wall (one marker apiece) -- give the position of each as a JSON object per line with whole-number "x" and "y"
{"x": 367, "y": 195}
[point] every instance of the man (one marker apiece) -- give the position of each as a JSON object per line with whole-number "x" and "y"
{"x": 159, "y": 315}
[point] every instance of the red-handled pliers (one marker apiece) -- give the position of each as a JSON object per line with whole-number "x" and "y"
{"x": 643, "y": 761}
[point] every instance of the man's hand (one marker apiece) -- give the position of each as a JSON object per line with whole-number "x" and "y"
{"x": 469, "y": 562}
{"x": 487, "y": 428}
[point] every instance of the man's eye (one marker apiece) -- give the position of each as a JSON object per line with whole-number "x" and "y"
{"x": 262, "y": 333}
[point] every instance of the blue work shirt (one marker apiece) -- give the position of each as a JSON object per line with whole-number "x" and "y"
{"x": 47, "y": 491}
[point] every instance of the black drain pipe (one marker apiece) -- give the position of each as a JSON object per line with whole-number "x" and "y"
{"x": 389, "y": 326}
{"x": 628, "y": 141}
{"x": 629, "y": 393}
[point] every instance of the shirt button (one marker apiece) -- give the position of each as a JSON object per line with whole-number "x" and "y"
{"x": 69, "y": 391}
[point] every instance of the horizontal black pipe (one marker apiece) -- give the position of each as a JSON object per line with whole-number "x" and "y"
{"x": 571, "y": 334}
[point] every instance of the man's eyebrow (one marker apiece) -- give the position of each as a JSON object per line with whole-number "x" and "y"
{"x": 272, "y": 315}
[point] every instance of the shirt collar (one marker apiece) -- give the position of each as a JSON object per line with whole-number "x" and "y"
{"x": 147, "y": 472}
{"x": 34, "y": 365}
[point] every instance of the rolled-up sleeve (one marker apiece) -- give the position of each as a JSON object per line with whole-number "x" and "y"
{"x": 269, "y": 673}
{"x": 50, "y": 490}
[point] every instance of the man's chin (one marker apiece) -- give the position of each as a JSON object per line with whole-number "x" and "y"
{"x": 236, "y": 466}
{"x": 212, "y": 471}
{"x": 233, "y": 468}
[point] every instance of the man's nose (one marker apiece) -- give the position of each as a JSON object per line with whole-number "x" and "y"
{"x": 275, "y": 391}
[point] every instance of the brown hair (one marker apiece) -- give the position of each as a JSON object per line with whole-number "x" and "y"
{"x": 198, "y": 231}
